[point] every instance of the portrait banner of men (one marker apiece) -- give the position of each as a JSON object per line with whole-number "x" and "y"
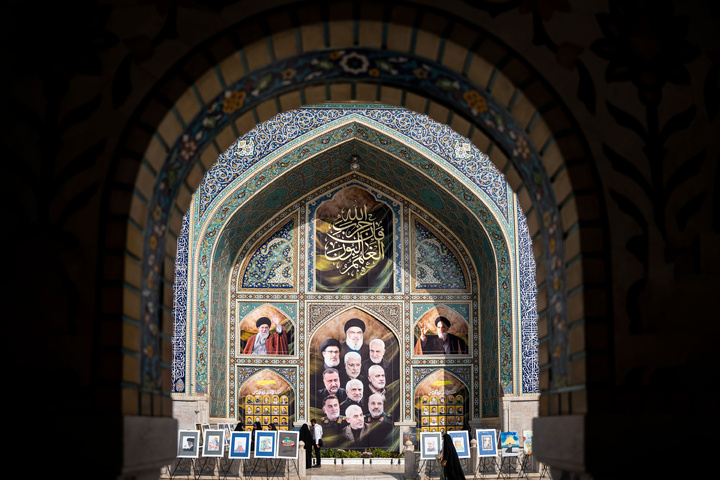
{"x": 354, "y": 243}
{"x": 441, "y": 331}
{"x": 266, "y": 331}
{"x": 354, "y": 330}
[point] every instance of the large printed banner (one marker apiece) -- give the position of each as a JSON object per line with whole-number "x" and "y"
{"x": 355, "y": 382}
{"x": 267, "y": 399}
{"x": 441, "y": 402}
{"x": 354, "y": 244}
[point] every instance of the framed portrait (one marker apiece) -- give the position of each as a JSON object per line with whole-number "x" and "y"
{"x": 527, "y": 442}
{"x": 287, "y": 446}
{"x": 239, "y": 445}
{"x": 461, "y": 440}
{"x": 188, "y": 444}
{"x": 214, "y": 444}
{"x": 510, "y": 444}
{"x": 430, "y": 445}
{"x": 486, "y": 442}
{"x": 265, "y": 443}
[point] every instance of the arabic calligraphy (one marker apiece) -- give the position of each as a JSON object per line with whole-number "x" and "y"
{"x": 355, "y": 242}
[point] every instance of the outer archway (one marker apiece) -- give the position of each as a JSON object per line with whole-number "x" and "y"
{"x": 546, "y": 122}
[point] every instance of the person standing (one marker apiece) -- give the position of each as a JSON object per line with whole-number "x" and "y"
{"x": 307, "y": 439}
{"x": 317, "y": 433}
{"x": 450, "y": 462}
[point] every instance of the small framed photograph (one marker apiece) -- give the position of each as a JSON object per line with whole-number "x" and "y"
{"x": 461, "y": 441}
{"x": 527, "y": 442}
{"x": 287, "y": 446}
{"x": 188, "y": 444}
{"x": 510, "y": 444}
{"x": 486, "y": 442}
{"x": 214, "y": 445}
{"x": 430, "y": 445}
{"x": 239, "y": 445}
{"x": 265, "y": 443}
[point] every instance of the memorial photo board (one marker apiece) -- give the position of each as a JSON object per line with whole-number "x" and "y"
{"x": 486, "y": 442}
{"x": 188, "y": 444}
{"x": 239, "y": 445}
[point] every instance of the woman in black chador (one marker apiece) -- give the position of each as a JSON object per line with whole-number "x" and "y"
{"x": 306, "y": 436}
{"x": 450, "y": 461}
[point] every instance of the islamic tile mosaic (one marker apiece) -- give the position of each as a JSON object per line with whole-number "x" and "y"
{"x": 434, "y": 79}
{"x": 435, "y": 266}
{"x": 390, "y": 313}
{"x": 435, "y": 200}
{"x": 428, "y": 167}
{"x": 272, "y": 265}
{"x": 528, "y": 311}
{"x": 463, "y": 374}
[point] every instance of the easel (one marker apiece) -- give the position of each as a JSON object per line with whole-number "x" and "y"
{"x": 180, "y": 461}
{"x": 284, "y": 468}
{"x": 428, "y": 464}
{"x": 225, "y": 467}
{"x": 255, "y": 465}
{"x": 525, "y": 466}
{"x": 204, "y": 466}
{"x": 486, "y": 464}
{"x": 507, "y": 461}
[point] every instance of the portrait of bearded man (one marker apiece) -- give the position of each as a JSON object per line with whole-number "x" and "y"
{"x": 353, "y": 368}
{"x": 377, "y": 357}
{"x": 444, "y": 343}
{"x": 266, "y": 343}
{"x": 354, "y": 342}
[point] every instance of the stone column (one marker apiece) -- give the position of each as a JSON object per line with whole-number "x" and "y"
{"x": 409, "y": 460}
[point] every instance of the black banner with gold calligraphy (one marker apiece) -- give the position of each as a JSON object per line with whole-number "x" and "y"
{"x": 354, "y": 244}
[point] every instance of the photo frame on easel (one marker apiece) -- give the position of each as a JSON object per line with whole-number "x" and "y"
{"x": 239, "y": 445}
{"x": 430, "y": 445}
{"x": 265, "y": 443}
{"x": 486, "y": 442}
{"x": 461, "y": 441}
{"x": 188, "y": 444}
{"x": 287, "y": 444}
{"x": 510, "y": 444}
{"x": 214, "y": 443}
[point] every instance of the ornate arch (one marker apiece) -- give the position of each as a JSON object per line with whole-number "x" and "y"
{"x": 539, "y": 125}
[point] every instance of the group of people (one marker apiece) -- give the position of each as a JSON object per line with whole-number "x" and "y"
{"x": 312, "y": 437}
{"x": 354, "y": 395}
